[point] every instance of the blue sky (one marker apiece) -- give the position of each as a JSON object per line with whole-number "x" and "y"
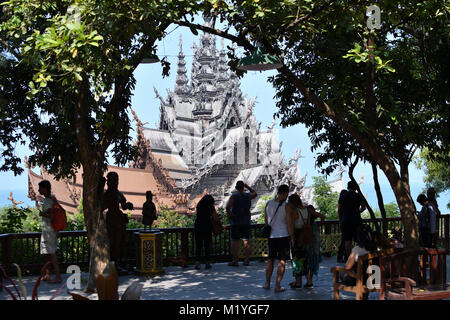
{"x": 146, "y": 105}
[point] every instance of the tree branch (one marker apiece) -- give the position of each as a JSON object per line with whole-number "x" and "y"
{"x": 411, "y": 152}
{"x": 309, "y": 15}
{"x": 239, "y": 40}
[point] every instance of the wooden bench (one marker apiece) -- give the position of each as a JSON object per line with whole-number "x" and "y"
{"x": 415, "y": 275}
{"x": 360, "y": 288}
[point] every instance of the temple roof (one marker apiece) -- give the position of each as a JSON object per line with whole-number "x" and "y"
{"x": 133, "y": 183}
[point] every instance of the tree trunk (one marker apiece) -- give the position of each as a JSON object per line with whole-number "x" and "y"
{"x": 400, "y": 186}
{"x": 91, "y": 162}
{"x": 379, "y": 198}
{"x": 95, "y": 226}
{"x": 369, "y": 208}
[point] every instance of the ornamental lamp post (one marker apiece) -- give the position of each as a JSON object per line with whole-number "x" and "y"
{"x": 259, "y": 61}
{"x": 151, "y": 58}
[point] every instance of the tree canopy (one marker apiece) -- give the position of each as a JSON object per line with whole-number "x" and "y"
{"x": 67, "y": 81}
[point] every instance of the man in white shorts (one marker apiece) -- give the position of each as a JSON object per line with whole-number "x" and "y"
{"x": 279, "y": 240}
{"x": 49, "y": 237}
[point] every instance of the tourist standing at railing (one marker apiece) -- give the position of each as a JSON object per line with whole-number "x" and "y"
{"x": 305, "y": 257}
{"x": 206, "y": 212}
{"x": 431, "y": 195}
{"x": 342, "y": 253}
{"x": 351, "y": 204}
{"x": 427, "y": 222}
{"x": 313, "y": 255}
{"x": 238, "y": 211}
{"x": 49, "y": 237}
{"x": 116, "y": 220}
{"x": 280, "y": 239}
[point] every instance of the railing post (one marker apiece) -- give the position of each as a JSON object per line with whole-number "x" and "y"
{"x": 184, "y": 247}
{"x": 447, "y": 231}
{"x": 6, "y": 254}
{"x": 327, "y": 228}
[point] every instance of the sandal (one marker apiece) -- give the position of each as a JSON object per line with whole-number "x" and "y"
{"x": 294, "y": 285}
{"x": 246, "y": 263}
{"x": 233, "y": 264}
{"x": 281, "y": 289}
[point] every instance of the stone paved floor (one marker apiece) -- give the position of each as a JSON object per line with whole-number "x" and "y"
{"x": 219, "y": 283}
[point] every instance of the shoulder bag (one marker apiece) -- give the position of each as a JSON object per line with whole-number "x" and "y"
{"x": 266, "y": 230}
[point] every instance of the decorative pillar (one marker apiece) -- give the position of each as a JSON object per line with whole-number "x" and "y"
{"x": 149, "y": 259}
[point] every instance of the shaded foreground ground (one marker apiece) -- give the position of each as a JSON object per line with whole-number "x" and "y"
{"x": 222, "y": 282}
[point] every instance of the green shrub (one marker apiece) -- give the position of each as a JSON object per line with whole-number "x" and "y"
{"x": 11, "y": 219}
{"x": 75, "y": 222}
{"x": 133, "y": 224}
{"x": 168, "y": 218}
{"x": 261, "y": 206}
{"x": 223, "y": 213}
{"x": 392, "y": 210}
{"x": 33, "y": 222}
{"x": 326, "y": 200}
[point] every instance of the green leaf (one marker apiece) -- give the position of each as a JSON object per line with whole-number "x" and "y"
{"x": 78, "y": 76}
{"x": 194, "y": 31}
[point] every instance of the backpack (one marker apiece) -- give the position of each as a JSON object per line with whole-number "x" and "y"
{"x": 59, "y": 218}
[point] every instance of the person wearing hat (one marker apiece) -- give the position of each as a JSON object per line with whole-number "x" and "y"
{"x": 148, "y": 211}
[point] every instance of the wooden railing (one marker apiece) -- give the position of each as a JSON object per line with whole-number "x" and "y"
{"x": 178, "y": 245}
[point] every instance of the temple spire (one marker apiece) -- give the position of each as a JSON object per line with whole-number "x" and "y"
{"x": 181, "y": 87}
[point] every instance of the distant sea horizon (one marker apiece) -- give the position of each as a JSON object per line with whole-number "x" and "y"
{"x": 368, "y": 190}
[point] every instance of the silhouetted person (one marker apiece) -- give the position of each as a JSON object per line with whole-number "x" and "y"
{"x": 116, "y": 220}
{"x": 206, "y": 212}
{"x": 351, "y": 204}
{"x": 238, "y": 210}
{"x": 431, "y": 195}
{"x": 342, "y": 254}
{"x": 148, "y": 211}
{"x": 427, "y": 222}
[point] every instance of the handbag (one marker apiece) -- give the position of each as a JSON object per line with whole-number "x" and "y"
{"x": 304, "y": 236}
{"x": 266, "y": 230}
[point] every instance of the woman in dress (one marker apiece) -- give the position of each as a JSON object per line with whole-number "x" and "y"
{"x": 203, "y": 228}
{"x": 305, "y": 258}
{"x": 313, "y": 254}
